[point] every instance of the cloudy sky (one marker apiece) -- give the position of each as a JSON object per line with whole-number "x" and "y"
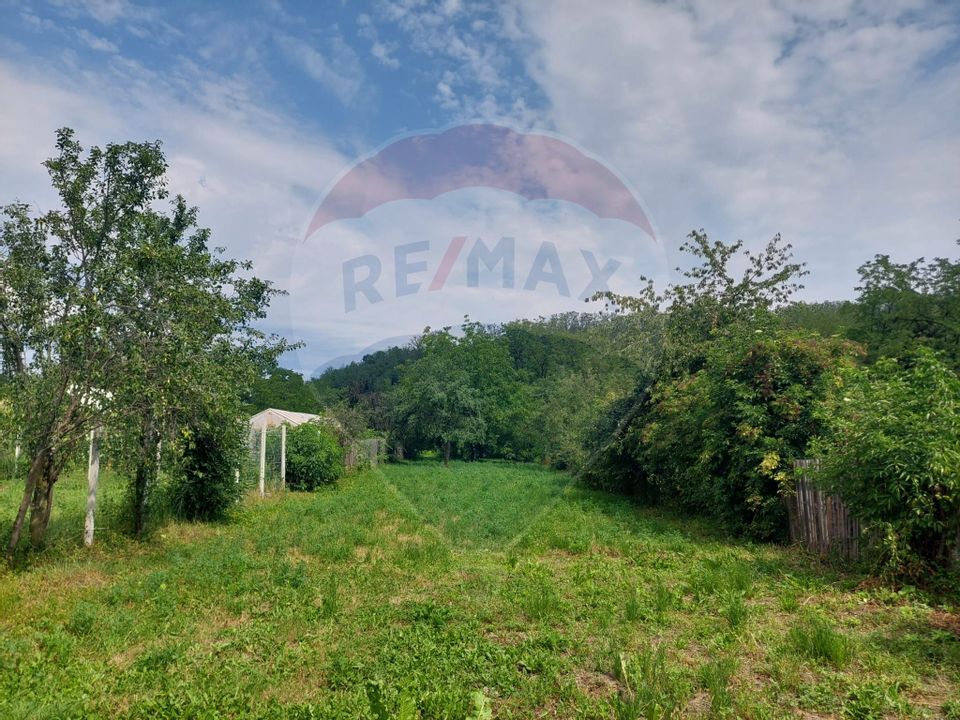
{"x": 834, "y": 123}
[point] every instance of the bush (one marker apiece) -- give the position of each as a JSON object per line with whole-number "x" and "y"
{"x": 722, "y": 441}
{"x": 314, "y": 456}
{"x": 891, "y": 449}
{"x": 205, "y": 486}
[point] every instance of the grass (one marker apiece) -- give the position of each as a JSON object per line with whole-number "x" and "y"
{"x": 816, "y": 639}
{"x": 476, "y": 591}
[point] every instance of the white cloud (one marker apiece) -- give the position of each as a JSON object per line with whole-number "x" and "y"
{"x": 826, "y": 123}
{"x": 340, "y": 73}
{"x": 95, "y": 42}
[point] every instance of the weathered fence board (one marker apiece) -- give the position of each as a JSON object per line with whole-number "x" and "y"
{"x": 820, "y": 521}
{"x": 367, "y": 451}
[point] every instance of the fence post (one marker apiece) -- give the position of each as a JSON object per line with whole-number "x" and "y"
{"x": 822, "y": 522}
{"x": 283, "y": 457}
{"x": 263, "y": 460}
{"x": 93, "y": 480}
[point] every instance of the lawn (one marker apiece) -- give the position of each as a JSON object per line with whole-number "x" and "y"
{"x": 423, "y": 591}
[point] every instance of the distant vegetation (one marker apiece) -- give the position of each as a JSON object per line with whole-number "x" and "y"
{"x": 701, "y": 396}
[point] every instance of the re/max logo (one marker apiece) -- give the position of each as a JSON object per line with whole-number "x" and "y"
{"x": 361, "y": 274}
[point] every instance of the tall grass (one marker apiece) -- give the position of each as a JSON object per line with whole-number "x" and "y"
{"x": 815, "y": 638}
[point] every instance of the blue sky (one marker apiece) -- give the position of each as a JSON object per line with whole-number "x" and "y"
{"x": 834, "y": 123}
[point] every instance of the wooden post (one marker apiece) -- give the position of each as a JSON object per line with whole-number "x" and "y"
{"x": 263, "y": 460}
{"x": 93, "y": 480}
{"x": 283, "y": 457}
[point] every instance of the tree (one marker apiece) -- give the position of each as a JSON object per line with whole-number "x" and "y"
{"x": 901, "y": 305}
{"x": 436, "y": 402}
{"x": 891, "y": 449}
{"x": 722, "y": 441}
{"x": 283, "y": 389}
{"x": 712, "y": 299}
{"x": 681, "y": 322}
{"x": 112, "y": 312}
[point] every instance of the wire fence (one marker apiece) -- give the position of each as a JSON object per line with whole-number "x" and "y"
{"x": 273, "y": 462}
{"x": 12, "y": 460}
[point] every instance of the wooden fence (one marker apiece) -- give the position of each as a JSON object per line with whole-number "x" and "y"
{"x": 820, "y": 521}
{"x": 367, "y": 452}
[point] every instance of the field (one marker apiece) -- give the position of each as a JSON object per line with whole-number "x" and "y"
{"x": 479, "y": 590}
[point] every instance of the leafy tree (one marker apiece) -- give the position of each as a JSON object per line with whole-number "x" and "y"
{"x": 436, "y": 402}
{"x": 113, "y": 312}
{"x": 891, "y": 448}
{"x": 314, "y": 456}
{"x": 712, "y": 298}
{"x": 826, "y": 318}
{"x": 680, "y": 324}
{"x": 283, "y": 389}
{"x": 901, "y": 305}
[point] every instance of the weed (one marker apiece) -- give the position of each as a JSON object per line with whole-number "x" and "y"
{"x": 951, "y": 710}
{"x": 541, "y": 601}
{"x": 663, "y": 598}
{"x": 815, "y": 638}
{"x": 652, "y": 689}
{"x": 715, "y": 678}
{"x": 330, "y": 600}
{"x": 872, "y": 701}
{"x": 288, "y": 574}
{"x": 634, "y": 608}
{"x": 82, "y": 619}
{"x": 734, "y": 610}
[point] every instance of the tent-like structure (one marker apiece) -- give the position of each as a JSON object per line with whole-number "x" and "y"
{"x": 271, "y": 418}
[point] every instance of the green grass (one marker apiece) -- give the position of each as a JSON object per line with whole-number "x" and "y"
{"x": 476, "y": 591}
{"x": 815, "y": 638}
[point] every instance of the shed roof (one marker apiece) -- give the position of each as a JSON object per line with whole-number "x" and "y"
{"x": 272, "y": 417}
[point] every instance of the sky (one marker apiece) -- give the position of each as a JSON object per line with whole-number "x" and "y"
{"x": 834, "y": 123}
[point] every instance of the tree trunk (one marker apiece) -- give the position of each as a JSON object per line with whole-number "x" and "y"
{"x": 42, "y": 501}
{"x": 146, "y": 470}
{"x": 37, "y": 468}
{"x": 446, "y": 453}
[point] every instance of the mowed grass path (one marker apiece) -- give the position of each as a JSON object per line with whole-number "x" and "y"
{"x": 431, "y": 592}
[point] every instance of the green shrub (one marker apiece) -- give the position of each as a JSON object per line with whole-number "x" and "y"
{"x": 205, "y": 485}
{"x": 891, "y": 449}
{"x": 722, "y": 441}
{"x": 314, "y": 456}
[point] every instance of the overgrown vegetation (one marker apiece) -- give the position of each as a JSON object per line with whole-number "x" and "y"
{"x": 703, "y": 395}
{"x": 314, "y": 456}
{"x": 891, "y": 447}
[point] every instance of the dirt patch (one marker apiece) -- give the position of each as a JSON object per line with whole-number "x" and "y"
{"x": 945, "y": 621}
{"x": 596, "y": 684}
